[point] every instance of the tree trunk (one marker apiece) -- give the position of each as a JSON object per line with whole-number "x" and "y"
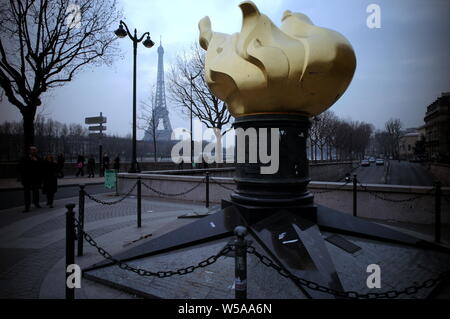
{"x": 28, "y": 128}
{"x": 219, "y": 155}
{"x": 154, "y": 147}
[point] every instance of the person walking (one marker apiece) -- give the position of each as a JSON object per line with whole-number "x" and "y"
{"x": 30, "y": 168}
{"x": 105, "y": 163}
{"x": 91, "y": 166}
{"x": 116, "y": 164}
{"x": 80, "y": 165}
{"x": 50, "y": 179}
{"x": 60, "y": 164}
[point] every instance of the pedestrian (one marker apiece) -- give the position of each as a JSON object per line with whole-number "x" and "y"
{"x": 80, "y": 165}
{"x": 60, "y": 164}
{"x": 91, "y": 166}
{"x": 50, "y": 179}
{"x": 116, "y": 164}
{"x": 30, "y": 167}
{"x": 105, "y": 163}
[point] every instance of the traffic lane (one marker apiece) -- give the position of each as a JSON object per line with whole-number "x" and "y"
{"x": 373, "y": 174}
{"x": 14, "y": 198}
{"x": 407, "y": 173}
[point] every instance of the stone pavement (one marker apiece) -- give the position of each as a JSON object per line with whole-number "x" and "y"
{"x": 32, "y": 247}
{"x": 13, "y": 183}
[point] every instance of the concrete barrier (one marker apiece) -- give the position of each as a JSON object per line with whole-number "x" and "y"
{"x": 333, "y": 195}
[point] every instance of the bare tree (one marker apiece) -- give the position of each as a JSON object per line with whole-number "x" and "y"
{"x": 202, "y": 102}
{"x": 45, "y": 43}
{"x": 393, "y": 129}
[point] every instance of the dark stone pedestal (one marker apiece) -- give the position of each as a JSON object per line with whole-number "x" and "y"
{"x": 287, "y": 187}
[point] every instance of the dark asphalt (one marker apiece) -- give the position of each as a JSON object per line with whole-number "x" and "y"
{"x": 14, "y": 198}
{"x": 406, "y": 173}
{"x": 399, "y": 173}
{"x": 371, "y": 174}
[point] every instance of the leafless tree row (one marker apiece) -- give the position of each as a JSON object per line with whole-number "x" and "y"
{"x": 332, "y": 138}
{"x": 387, "y": 141}
{"x": 53, "y": 137}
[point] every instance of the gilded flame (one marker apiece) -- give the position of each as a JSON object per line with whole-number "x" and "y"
{"x": 298, "y": 68}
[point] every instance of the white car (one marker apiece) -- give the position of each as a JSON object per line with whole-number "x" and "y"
{"x": 379, "y": 161}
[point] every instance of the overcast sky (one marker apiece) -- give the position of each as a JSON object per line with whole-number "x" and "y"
{"x": 402, "y": 67}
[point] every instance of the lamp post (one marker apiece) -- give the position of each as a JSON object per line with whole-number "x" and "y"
{"x": 148, "y": 43}
{"x": 192, "y": 78}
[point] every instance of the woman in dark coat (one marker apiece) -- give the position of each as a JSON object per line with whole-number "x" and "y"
{"x": 50, "y": 179}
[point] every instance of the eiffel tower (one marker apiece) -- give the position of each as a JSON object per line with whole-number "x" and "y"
{"x": 163, "y": 126}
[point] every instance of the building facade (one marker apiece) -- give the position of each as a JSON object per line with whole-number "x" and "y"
{"x": 437, "y": 129}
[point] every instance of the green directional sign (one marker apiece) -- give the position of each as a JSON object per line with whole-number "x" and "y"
{"x": 110, "y": 178}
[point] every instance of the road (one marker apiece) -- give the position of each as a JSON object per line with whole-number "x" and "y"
{"x": 14, "y": 198}
{"x": 399, "y": 173}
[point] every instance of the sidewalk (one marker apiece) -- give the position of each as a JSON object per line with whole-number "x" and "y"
{"x": 14, "y": 184}
{"x": 32, "y": 245}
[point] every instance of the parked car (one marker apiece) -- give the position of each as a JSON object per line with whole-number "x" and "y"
{"x": 371, "y": 160}
{"x": 379, "y": 162}
{"x": 365, "y": 163}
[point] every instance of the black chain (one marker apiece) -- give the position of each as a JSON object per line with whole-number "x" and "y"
{"x": 330, "y": 190}
{"x": 173, "y": 194}
{"x": 395, "y": 200}
{"x": 349, "y": 173}
{"x": 221, "y": 185}
{"x": 348, "y": 294}
{"x": 147, "y": 273}
{"x": 113, "y": 202}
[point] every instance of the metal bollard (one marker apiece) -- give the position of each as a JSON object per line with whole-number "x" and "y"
{"x": 207, "y": 189}
{"x": 139, "y": 206}
{"x": 437, "y": 209}
{"x": 355, "y": 191}
{"x": 70, "y": 246}
{"x": 240, "y": 274}
{"x": 80, "y": 228}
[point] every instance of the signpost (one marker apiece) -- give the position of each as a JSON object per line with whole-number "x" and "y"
{"x": 98, "y": 129}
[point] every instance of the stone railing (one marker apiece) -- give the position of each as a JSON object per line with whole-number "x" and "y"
{"x": 374, "y": 200}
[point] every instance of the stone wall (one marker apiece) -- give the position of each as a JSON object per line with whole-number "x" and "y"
{"x": 441, "y": 172}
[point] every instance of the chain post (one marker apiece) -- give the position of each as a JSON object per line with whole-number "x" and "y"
{"x": 80, "y": 228}
{"x": 207, "y": 189}
{"x": 70, "y": 246}
{"x": 355, "y": 190}
{"x": 139, "y": 206}
{"x": 240, "y": 280}
{"x": 437, "y": 212}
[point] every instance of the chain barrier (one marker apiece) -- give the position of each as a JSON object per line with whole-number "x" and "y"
{"x": 173, "y": 194}
{"x": 330, "y": 190}
{"x": 221, "y": 185}
{"x": 147, "y": 273}
{"x": 430, "y": 192}
{"x": 266, "y": 261}
{"x": 113, "y": 202}
{"x": 348, "y": 294}
{"x": 349, "y": 173}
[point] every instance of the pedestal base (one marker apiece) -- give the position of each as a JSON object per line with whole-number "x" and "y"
{"x": 295, "y": 241}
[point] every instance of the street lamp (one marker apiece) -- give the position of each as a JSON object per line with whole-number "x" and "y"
{"x": 148, "y": 43}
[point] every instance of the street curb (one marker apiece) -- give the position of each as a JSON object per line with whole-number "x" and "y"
{"x": 59, "y": 186}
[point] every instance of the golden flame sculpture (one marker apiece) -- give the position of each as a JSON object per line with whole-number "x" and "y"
{"x": 300, "y": 68}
